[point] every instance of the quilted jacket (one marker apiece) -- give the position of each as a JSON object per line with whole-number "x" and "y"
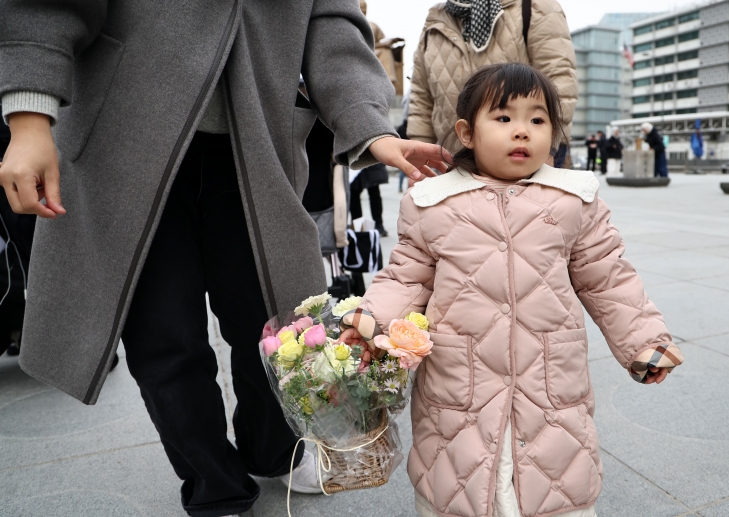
{"x": 500, "y": 276}
{"x": 444, "y": 62}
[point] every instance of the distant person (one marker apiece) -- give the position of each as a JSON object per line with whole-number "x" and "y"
{"x": 601, "y": 147}
{"x": 655, "y": 140}
{"x": 591, "y": 144}
{"x": 461, "y": 36}
{"x": 614, "y": 153}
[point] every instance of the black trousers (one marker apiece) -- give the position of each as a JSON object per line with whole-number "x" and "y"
{"x": 591, "y": 160}
{"x": 603, "y": 163}
{"x": 375, "y": 203}
{"x": 202, "y": 245}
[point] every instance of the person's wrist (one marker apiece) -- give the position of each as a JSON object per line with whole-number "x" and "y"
{"x": 25, "y": 121}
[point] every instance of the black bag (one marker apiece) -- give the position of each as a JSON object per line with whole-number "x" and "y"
{"x": 325, "y": 223}
{"x": 363, "y": 254}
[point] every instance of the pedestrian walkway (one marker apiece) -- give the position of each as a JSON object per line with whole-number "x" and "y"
{"x": 665, "y": 448}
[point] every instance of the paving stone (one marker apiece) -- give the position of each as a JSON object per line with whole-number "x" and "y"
{"x": 133, "y": 482}
{"x": 719, "y": 510}
{"x": 627, "y": 494}
{"x": 718, "y": 343}
{"x": 690, "y": 310}
{"x": 682, "y": 264}
{"x": 717, "y": 282}
{"x": 650, "y": 430}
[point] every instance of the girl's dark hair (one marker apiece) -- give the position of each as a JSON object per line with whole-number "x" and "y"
{"x": 492, "y": 87}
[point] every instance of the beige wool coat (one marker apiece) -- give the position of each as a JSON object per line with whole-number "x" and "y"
{"x": 444, "y": 62}
{"x": 502, "y": 277}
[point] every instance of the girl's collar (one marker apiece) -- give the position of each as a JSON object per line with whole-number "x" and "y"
{"x": 432, "y": 191}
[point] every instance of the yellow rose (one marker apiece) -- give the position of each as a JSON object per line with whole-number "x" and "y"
{"x": 290, "y": 352}
{"x": 420, "y": 320}
{"x": 342, "y": 352}
{"x": 287, "y": 335}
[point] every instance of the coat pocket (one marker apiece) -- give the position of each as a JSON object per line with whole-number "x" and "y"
{"x": 566, "y": 371}
{"x": 446, "y": 380}
{"x": 304, "y": 119}
{"x": 94, "y": 72}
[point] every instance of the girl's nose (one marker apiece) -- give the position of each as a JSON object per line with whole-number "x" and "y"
{"x": 522, "y": 135}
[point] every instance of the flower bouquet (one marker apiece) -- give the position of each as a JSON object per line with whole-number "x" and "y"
{"x": 342, "y": 397}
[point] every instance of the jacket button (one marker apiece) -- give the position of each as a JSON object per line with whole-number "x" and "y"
{"x": 505, "y": 308}
{"x": 493, "y": 448}
{"x": 512, "y": 191}
{"x": 502, "y": 246}
{"x": 507, "y": 380}
{"x": 490, "y": 196}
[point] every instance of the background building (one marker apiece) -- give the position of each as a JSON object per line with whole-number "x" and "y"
{"x": 682, "y": 61}
{"x": 598, "y": 70}
{"x": 605, "y": 76}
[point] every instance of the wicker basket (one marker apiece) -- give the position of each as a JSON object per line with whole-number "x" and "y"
{"x": 367, "y": 467}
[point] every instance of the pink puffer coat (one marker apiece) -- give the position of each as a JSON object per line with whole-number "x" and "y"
{"x": 501, "y": 278}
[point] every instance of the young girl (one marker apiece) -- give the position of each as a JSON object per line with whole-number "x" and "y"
{"x": 499, "y": 253}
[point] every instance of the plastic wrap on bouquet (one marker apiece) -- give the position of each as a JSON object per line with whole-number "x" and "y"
{"x": 337, "y": 396}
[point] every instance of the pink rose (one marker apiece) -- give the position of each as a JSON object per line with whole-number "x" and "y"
{"x": 270, "y": 345}
{"x": 268, "y": 330}
{"x": 303, "y": 324}
{"x": 407, "y": 342}
{"x": 316, "y": 335}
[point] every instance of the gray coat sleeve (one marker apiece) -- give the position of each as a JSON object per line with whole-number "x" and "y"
{"x": 345, "y": 81}
{"x": 38, "y": 42}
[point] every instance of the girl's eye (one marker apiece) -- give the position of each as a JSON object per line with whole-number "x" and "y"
{"x": 537, "y": 121}
{"x": 503, "y": 118}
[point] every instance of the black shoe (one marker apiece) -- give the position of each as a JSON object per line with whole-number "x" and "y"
{"x": 13, "y": 350}
{"x": 381, "y": 229}
{"x": 114, "y": 362}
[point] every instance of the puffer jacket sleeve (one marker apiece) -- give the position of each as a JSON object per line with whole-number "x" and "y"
{"x": 406, "y": 284}
{"x": 420, "y": 114}
{"x": 613, "y": 294}
{"x": 551, "y": 51}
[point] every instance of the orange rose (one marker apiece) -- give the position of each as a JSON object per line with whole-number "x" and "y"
{"x": 407, "y": 342}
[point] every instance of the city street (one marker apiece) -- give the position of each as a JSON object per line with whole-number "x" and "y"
{"x": 665, "y": 448}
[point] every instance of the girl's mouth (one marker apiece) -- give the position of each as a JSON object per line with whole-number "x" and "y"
{"x": 519, "y": 154}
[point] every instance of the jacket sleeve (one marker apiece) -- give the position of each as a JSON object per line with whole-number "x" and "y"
{"x": 551, "y": 51}
{"x": 612, "y": 293}
{"x": 405, "y": 285}
{"x": 346, "y": 83}
{"x": 420, "y": 114}
{"x": 38, "y": 42}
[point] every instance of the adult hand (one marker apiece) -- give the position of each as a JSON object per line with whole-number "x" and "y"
{"x": 416, "y": 159}
{"x": 29, "y": 171}
{"x": 657, "y": 375}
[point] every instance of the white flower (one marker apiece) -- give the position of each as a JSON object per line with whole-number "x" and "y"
{"x": 388, "y": 366}
{"x": 347, "y": 305}
{"x": 392, "y": 386}
{"x": 312, "y": 302}
{"x": 327, "y": 367}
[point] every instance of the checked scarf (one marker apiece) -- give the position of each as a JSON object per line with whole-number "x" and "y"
{"x": 478, "y": 17}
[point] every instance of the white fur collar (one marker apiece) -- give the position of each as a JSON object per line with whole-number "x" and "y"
{"x": 432, "y": 191}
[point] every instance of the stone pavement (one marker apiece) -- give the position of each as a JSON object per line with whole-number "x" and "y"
{"x": 665, "y": 448}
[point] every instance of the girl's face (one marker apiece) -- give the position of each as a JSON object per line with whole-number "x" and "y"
{"x": 510, "y": 143}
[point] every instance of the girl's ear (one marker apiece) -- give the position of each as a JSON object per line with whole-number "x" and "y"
{"x": 463, "y": 131}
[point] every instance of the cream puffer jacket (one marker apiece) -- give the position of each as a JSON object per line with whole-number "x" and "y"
{"x": 444, "y": 62}
{"x": 500, "y": 276}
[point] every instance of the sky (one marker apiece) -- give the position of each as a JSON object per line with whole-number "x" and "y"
{"x": 405, "y": 18}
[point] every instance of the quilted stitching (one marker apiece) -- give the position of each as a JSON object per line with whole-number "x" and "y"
{"x": 452, "y": 474}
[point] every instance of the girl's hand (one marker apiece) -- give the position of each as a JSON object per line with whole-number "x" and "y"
{"x": 658, "y": 375}
{"x": 351, "y": 337}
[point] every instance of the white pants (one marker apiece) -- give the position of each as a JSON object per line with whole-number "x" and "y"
{"x": 613, "y": 167}
{"x": 505, "y": 502}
